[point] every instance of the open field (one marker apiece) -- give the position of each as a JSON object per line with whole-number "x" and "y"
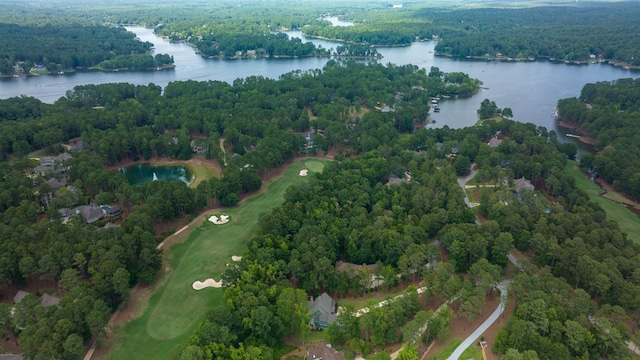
{"x": 628, "y": 221}
{"x": 175, "y": 308}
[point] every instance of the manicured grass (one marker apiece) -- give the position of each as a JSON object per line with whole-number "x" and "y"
{"x": 175, "y": 309}
{"x": 201, "y": 172}
{"x": 447, "y": 351}
{"x": 628, "y": 221}
{"x": 348, "y": 354}
{"x": 313, "y": 336}
{"x": 472, "y": 352}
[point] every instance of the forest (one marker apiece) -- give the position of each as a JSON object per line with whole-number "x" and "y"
{"x": 261, "y": 119}
{"x": 61, "y": 47}
{"x": 609, "y": 112}
{"x": 573, "y": 296}
{"x": 566, "y": 33}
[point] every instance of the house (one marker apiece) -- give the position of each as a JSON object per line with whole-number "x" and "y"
{"x": 323, "y": 311}
{"x": 89, "y": 213}
{"x": 324, "y": 352}
{"x": 45, "y": 299}
{"x": 494, "y": 142}
{"x": 48, "y": 300}
{"x": 523, "y": 183}
{"x": 111, "y": 211}
{"x": 56, "y": 184}
{"x": 47, "y": 161}
{"x": 199, "y": 146}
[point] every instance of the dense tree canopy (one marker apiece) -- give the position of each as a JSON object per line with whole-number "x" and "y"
{"x": 609, "y": 112}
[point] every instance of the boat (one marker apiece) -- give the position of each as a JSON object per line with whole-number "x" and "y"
{"x": 436, "y": 109}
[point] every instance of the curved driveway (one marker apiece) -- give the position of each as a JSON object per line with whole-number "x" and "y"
{"x": 475, "y": 335}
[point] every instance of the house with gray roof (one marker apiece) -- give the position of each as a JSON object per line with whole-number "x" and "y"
{"x": 89, "y": 213}
{"x": 523, "y": 183}
{"x": 323, "y": 311}
{"x": 45, "y": 299}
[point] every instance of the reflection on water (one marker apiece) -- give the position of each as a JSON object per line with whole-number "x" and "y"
{"x": 140, "y": 174}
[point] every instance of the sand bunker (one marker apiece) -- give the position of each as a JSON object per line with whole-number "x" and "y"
{"x": 236, "y": 258}
{"x": 303, "y": 172}
{"x": 199, "y": 285}
{"x": 218, "y": 221}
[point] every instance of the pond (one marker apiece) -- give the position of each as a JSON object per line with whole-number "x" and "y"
{"x": 140, "y": 174}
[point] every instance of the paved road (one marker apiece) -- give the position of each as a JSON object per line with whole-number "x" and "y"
{"x": 475, "y": 335}
{"x": 463, "y": 182}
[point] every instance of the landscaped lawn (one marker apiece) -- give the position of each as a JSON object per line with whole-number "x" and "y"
{"x": 472, "y": 352}
{"x": 628, "y": 221}
{"x": 447, "y": 351}
{"x": 175, "y": 308}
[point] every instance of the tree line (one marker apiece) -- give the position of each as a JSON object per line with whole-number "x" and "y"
{"x": 566, "y": 33}
{"x": 58, "y": 47}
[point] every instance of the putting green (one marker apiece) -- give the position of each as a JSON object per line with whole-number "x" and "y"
{"x": 175, "y": 308}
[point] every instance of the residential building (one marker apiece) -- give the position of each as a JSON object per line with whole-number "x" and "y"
{"x": 323, "y": 311}
{"x": 324, "y": 352}
{"x": 523, "y": 183}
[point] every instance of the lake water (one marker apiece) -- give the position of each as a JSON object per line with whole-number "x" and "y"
{"x": 140, "y": 174}
{"x": 530, "y": 89}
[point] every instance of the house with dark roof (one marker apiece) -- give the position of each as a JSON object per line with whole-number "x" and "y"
{"x": 323, "y": 311}
{"x": 111, "y": 211}
{"x": 324, "y": 352}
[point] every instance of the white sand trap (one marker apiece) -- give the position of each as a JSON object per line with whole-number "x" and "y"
{"x": 236, "y": 258}
{"x": 218, "y": 221}
{"x": 199, "y": 285}
{"x": 303, "y": 172}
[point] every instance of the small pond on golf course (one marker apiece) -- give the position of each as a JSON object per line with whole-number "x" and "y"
{"x": 140, "y": 174}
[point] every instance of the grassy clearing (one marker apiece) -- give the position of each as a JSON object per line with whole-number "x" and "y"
{"x": 201, "y": 171}
{"x": 175, "y": 309}
{"x": 447, "y": 351}
{"x": 472, "y": 352}
{"x": 628, "y": 221}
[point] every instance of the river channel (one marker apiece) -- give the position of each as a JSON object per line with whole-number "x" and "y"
{"x": 530, "y": 89}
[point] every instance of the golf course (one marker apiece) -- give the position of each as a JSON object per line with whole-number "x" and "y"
{"x": 627, "y": 220}
{"x": 175, "y": 308}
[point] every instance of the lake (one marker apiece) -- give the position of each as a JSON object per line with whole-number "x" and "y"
{"x": 530, "y": 89}
{"x": 140, "y": 174}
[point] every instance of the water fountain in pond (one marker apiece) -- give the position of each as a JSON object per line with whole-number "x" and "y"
{"x": 155, "y": 177}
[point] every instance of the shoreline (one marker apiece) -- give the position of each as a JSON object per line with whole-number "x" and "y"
{"x": 91, "y": 69}
{"x": 583, "y": 137}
